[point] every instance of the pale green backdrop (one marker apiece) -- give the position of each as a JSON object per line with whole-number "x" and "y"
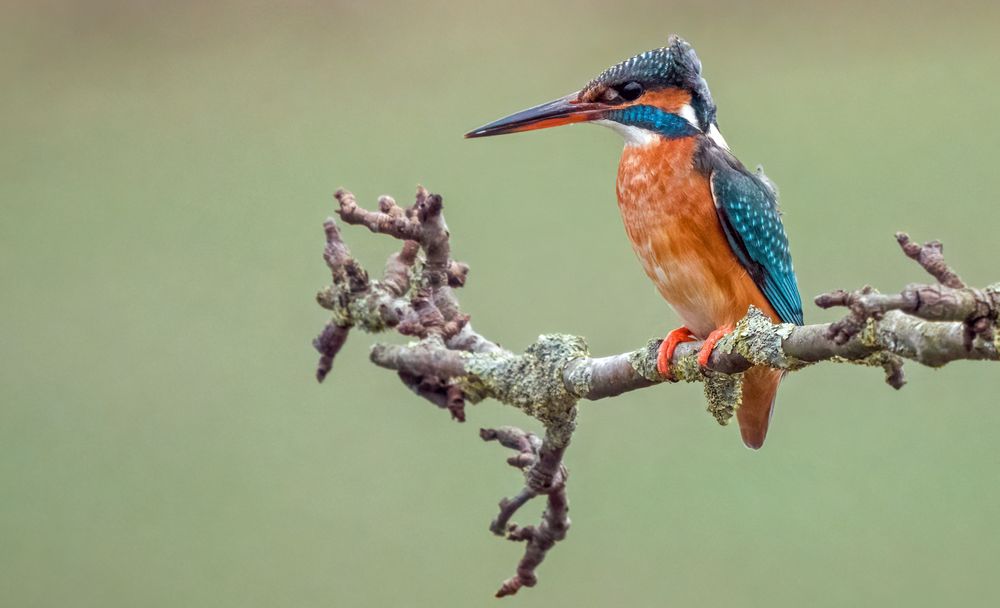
{"x": 166, "y": 167}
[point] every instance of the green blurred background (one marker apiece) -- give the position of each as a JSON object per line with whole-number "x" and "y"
{"x": 166, "y": 169}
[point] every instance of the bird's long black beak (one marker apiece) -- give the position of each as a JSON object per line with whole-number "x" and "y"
{"x": 563, "y": 111}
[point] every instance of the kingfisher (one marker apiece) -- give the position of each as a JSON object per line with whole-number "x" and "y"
{"x": 707, "y": 230}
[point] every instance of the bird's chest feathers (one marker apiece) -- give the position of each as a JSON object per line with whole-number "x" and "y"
{"x": 670, "y": 218}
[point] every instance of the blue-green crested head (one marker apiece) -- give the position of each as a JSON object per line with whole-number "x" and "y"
{"x": 673, "y": 66}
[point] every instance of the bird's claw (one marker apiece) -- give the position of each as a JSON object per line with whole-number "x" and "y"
{"x": 668, "y": 346}
{"x": 705, "y": 353}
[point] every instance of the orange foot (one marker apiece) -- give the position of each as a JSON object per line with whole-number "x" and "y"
{"x": 667, "y": 348}
{"x": 710, "y": 342}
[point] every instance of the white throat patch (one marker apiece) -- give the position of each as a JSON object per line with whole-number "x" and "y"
{"x": 634, "y": 136}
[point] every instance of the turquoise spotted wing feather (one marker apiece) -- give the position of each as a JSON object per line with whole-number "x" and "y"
{"x": 748, "y": 210}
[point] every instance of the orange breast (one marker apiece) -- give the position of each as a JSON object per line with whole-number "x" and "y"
{"x": 670, "y": 217}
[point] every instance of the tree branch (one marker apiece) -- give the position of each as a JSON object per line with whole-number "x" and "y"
{"x": 450, "y": 363}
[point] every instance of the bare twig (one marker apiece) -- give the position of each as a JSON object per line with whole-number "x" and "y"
{"x": 930, "y": 256}
{"x": 950, "y": 300}
{"x": 544, "y": 474}
{"x": 450, "y": 363}
{"x": 328, "y": 343}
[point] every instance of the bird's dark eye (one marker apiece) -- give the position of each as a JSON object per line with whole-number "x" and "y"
{"x": 630, "y": 91}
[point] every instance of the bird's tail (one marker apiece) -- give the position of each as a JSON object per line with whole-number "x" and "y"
{"x": 760, "y": 386}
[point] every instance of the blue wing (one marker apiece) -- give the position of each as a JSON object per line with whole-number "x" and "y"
{"x": 748, "y": 209}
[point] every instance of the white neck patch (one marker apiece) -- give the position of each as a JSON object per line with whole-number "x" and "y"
{"x": 687, "y": 113}
{"x": 716, "y": 136}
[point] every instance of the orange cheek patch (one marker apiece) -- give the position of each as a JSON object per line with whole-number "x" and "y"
{"x": 670, "y": 99}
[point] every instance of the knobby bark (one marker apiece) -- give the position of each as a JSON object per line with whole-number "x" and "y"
{"x": 450, "y": 364}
